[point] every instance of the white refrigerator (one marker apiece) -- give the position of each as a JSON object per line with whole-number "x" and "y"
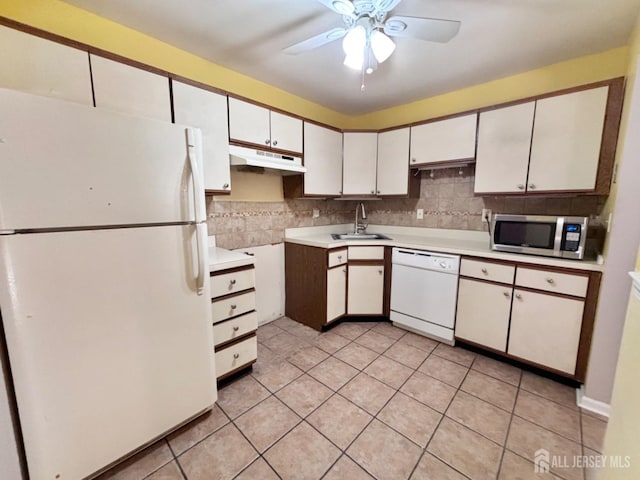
{"x": 103, "y": 281}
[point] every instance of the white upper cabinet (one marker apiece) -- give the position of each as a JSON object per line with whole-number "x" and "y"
{"x": 393, "y": 162}
{"x": 35, "y": 65}
{"x": 567, "y": 135}
{"x": 359, "y": 163}
{"x": 323, "y": 159}
{"x": 444, "y": 140}
{"x": 206, "y": 110}
{"x": 130, "y": 90}
{"x": 258, "y": 125}
{"x": 504, "y": 140}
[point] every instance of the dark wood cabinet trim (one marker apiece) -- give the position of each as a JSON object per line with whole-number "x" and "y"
{"x": 386, "y": 289}
{"x": 491, "y": 282}
{"x": 233, "y": 372}
{"x": 376, "y": 263}
{"x": 588, "y": 321}
{"x": 234, "y": 341}
{"x": 232, "y": 270}
{"x": 444, "y": 163}
{"x": 547, "y": 292}
{"x": 231, "y": 295}
{"x": 565, "y": 270}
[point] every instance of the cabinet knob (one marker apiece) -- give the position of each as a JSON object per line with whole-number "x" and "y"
{"x": 550, "y": 280}
{"x": 378, "y": 192}
{"x": 340, "y": 192}
{"x": 373, "y": 192}
{"x": 484, "y": 270}
{"x": 233, "y": 307}
{"x": 520, "y": 186}
{"x": 236, "y": 328}
{"x": 267, "y": 141}
{"x": 506, "y": 294}
{"x": 380, "y": 272}
{"x": 344, "y": 270}
{"x": 413, "y": 160}
{"x": 518, "y": 296}
{"x": 232, "y": 281}
{"x": 339, "y": 257}
{"x": 275, "y": 142}
{"x": 225, "y": 186}
{"x": 532, "y": 186}
{"x": 236, "y": 356}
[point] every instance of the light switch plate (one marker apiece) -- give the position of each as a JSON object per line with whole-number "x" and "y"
{"x": 420, "y": 213}
{"x": 316, "y": 212}
{"x": 486, "y": 213}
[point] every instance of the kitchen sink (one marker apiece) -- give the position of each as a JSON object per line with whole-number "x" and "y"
{"x": 359, "y": 236}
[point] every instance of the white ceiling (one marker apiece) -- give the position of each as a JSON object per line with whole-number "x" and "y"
{"x": 497, "y": 38}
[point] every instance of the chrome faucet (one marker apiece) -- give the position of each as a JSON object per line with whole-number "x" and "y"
{"x": 359, "y": 228}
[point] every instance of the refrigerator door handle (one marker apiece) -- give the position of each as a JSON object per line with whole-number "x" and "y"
{"x": 201, "y": 241}
{"x": 194, "y": 152}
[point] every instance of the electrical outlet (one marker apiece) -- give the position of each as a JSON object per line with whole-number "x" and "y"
{"x": 316, "y": 212}
{"x": 486, "y": 215}
{"x": 420, "y": 213}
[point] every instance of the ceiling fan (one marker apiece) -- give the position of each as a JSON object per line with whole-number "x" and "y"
{"x": 367, "y": 28}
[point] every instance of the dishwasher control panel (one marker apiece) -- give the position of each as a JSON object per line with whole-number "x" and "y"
{"x": 426, "y": 260}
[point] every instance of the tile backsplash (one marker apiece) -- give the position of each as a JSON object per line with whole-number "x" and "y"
{"x": 446, "y": 196}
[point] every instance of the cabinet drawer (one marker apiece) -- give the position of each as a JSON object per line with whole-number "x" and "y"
{"x": 556, "y": 282}
{"x": 232, "y": 282}
{"x": 234, "y": 328}
{"x": 235, "y": 356}
{"x": 495, "y": 272}
{"x": 233, "y": 306}
{"x": 337, "y": 257}
{"x": 366, "y": 253}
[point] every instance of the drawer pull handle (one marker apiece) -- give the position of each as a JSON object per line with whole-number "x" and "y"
{"x": 344, "y": 270}
{"x": 232, "y": 282}
{"x": 518, "y": 296}
{"x": 339, "y": 257}
{"x": 550, "y": 281}
{"x": 236, "y": 356}
{"x": 236, "y": 328}
{"x": 506, "y": 294}
{"x": 532, "y": 186}
{"x": 275, "y": 142}
{"x": 484, "y": 270}
{"x": 225, "y": 186}
{"x": 233, "y": 307}
{"x": 380, "y": 272}
{"x": 520, "y": 186}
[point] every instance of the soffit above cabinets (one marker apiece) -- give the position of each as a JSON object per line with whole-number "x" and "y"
{"x": 497, "y": 38}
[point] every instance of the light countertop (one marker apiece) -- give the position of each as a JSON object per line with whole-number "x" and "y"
{"x": 222, "y": 259}
{"x": 457, "y": 242}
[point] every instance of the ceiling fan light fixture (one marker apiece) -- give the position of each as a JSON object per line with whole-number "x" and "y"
{"x": 381, "y": 45}
{"x": 354, "y": 61}
{"x": 353, "y": 44}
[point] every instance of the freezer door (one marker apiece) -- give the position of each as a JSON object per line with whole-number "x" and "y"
{"x": 69, "y": 165}
{"x": 109, "y": 344}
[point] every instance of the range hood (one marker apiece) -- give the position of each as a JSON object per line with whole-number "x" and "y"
{"x": 283, "y": 164}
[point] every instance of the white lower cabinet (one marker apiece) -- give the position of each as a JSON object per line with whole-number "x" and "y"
{"x": 483, "y": 313}
{"x": 545, "y": 329}
{"x": 336, "y": 292}
{"x": 365, "y": 290}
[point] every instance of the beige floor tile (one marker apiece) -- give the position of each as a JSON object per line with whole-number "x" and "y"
{"x": 548, "y": 414}
{"x": 389, "y": 330}
{"x": 549, "y": 389}
{"x": 284, "y": 342}
{"x": 389, "y": 371}
{"x": 375, "y": 341}
{"x": 419, "y": 341}
{"x": 497, "y": 369}
{"x": 430, "y": 391}
{"x": 266, "y": 423}
{"x": 466, "y": 450}
{"x": 406, "y": 354}
{"x": 431, "y": 468}
{"x": 367, "y": 392}
{"x": 480, "y": 416}
{"x": 202, "y": 462}
{"x": 307, "y": 357}
{"x": 141, "y": 464}
{"x": 196, "y": 430}
{"x": 455, "y": 354}
{"x": 350, "y": 330}
{"x": 490, "y": 389}
{"x": 258, "y": 470}
{"x": 304, "y": 332}
{"x": 303, "y": 454}
{"x": 267, "y": 331}
{"x": 304, "y": 394}
{"x": 525, "y": 438}
{"x": 346, "y": 469}
{"x": 333, "y": 373}
{"x": 277, "y": 375}
{"x": 239, "y": 396}
{"x": 170, "y": 471}
{"x": 356, "y": 355}
{"x": 285, "y": 323}
{"x": 331, "y": 342}
{"x": 384, "y": 453}
{"x": 449, "y": 372}
{"x": 339, "y": 420}
{"x": 515, "y": 467}
{"x": 593, "y": 431}
{"x": 413, "y": 419}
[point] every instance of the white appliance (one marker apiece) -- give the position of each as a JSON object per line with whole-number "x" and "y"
{"x": 424, "y": 289}
{"x": 275, "y": 162}
{"x": 103, "y": 281}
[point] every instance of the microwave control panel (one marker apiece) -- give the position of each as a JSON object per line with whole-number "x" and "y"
{"x": 571, "y": 237}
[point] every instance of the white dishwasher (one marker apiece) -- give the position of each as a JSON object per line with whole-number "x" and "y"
{"x": 424, "y": 288}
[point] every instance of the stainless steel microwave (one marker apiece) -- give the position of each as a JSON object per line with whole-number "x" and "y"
{"x": 564, "y": 237}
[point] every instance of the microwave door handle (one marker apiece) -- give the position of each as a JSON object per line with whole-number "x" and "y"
{"x": 557, "y": 243}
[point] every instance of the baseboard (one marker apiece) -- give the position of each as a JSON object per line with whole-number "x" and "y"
{"x": 590, "y": 404}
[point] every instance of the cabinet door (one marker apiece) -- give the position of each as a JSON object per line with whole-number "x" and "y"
{"x": 483, "y": 313}
{"x": 359, "y": 163}
{"x": 130, "y": 90}
{"x": 336, "y": 292}
{"x": 567, "y": 134}
{"x": 504, "y": 142}
{"x": 393, "y": 162}
{"x": 365, "y": 289}
{"x": 248, "y": 123}
{"x": 545, "y": 329}
{"x": 35, "y": 65}
{"x": 323, "y": 159}
{"x": 286, "y": 132}
{"x": 208, "y": 111}
{"x": 444, "y": 140}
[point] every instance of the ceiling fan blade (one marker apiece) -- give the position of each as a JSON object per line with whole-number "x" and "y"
{"x": 384, "y": 6}
{"x": 316, "y": 41}
{"x": 343, "y": 7}
{"x": 429, "y": 29}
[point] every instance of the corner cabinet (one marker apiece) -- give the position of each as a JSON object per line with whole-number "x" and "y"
{"x": 359, "y": 163}
{"x": 206, "y": 110}
{"x": 444, "y": 142}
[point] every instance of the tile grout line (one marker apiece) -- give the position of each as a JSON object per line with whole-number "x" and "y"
{"x": 175, "y": 458}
